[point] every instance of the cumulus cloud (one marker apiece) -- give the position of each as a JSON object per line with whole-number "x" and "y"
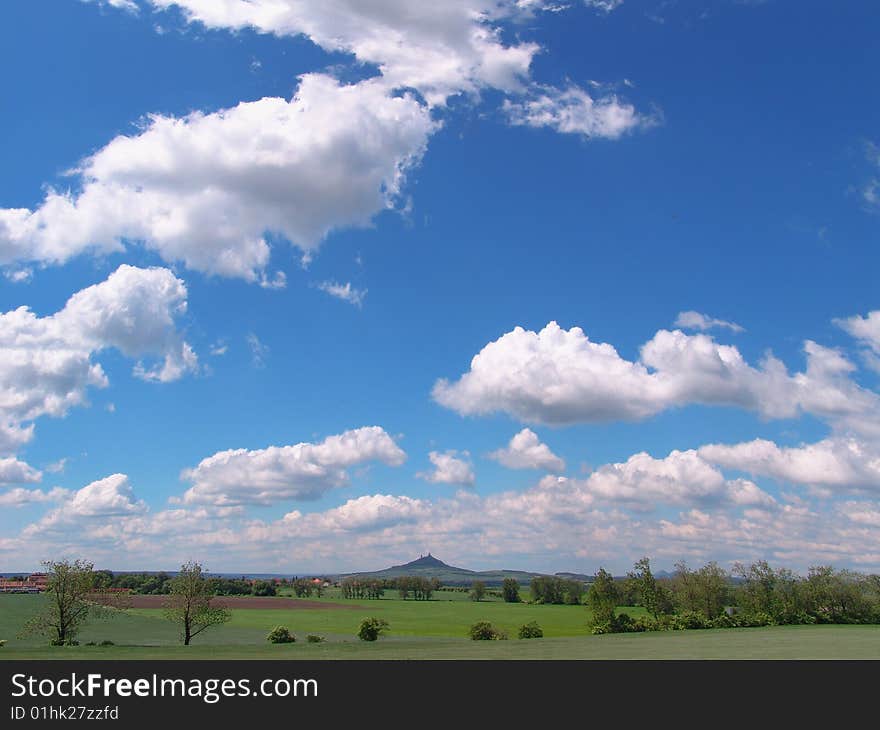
{"x": 46, "y": 363}
{"x": 346, "y": 292}
{"x": 105, "y": 498}
{"x": 205, "y": 189}
{"x": 525, "y": 451}
{"x": 681, "y": 478}
{"x": 279, "y": 473}
{"x": 845, "y": 463}
{"x": 13, "y": 471}
{"x": 574, "y": 111}
{"x": 559, "y": 376}
{"x": 440, "y": 49}
{"x": 691, "y": 320}
{"x": 20, "y": 497}
{"x": 450, "y": 469}
{"x": 866, "y": 330}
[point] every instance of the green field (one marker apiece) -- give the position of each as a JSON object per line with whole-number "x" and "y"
{"x": 427, "y": 630}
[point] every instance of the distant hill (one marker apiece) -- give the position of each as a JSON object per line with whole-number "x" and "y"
{"x": 428, "y": 566}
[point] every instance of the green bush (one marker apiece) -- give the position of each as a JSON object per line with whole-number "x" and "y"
{"x": 106, "y": 642}
{"x": 91, "y": 643}
{"x": 281, "y": 635}
{"x": 371, "y": 628}
{"x": 531, "y": 630}
{"x": 2, "y": 643}
{"x": 484, "y": 631}
{"x": 689, "y": 620}
{"x": 314, "y": 639}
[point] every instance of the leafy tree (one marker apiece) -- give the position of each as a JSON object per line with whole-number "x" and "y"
{"x": 189, "y": 603}
{"x": 263, "y": 588}
{"x": 602, "y": 597}
{"x": 510, "y": 590}
{"x": 655, "y": 598}
{"x": 371, "y": 628}
{"x": 478, "y": 590}
{"x": 69, "y": 589}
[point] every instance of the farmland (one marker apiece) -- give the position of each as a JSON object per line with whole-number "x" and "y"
{"x": 433, "y": 629}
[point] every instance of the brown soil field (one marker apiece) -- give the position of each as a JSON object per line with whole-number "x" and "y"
{"x": 246, "y": 603}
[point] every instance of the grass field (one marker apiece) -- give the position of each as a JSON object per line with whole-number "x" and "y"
{"x": 427, "y": 630}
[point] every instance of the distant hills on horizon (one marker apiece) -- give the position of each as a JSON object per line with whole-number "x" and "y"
{"x": 426, "y": 566}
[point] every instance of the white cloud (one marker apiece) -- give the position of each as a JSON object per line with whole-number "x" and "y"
{"x": 449, "y": 469}
{"x": 206, "y": 188}
{"x": 605, "y": 6}
{"x": 46, "y": 363}
{"x": 845, "y": 463}
{"x": 18, "y": 497}
{"x": 57, "y": 467}
{"x": 129, "y": 5}
{"x": 278, "y": 473}
{"x": 13, "y": 471}
{"x": 525, "y": 451}
{"x": 681, "y": 478}
{"x": 573, "y": 111}
{"x": 695, "y": 321}
{"x": 865, "y": 329}
{"x": 346, "y": 292}
{"x": 440, "y": 48}
{"x": 105, "y": 498}
{"x": 19, "y": 276}
{"x": 218, "y": 349}
{"x": 559, "y": 376}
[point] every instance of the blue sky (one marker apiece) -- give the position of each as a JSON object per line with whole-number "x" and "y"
{"x": 294, "y": 225}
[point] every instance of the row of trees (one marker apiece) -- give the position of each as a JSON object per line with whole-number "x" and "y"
{"x": 160, "y": 584}
{"x": 368, "y": 588}
{"x": 750, "y": 595}
{"x": 555, "y": 590}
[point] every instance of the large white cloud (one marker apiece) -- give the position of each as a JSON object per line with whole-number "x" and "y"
{"x": 525, "y": 451}
{"x": 299, "y": 472}
{"x": 559, "y": 376}
{"x": 46, "y": 363}
{"x": 207, "y": 188}
{"x": 834, "y": 462}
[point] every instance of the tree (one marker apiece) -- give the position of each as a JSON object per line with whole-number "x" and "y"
{"x": 478, "y": 590}
{"x": 654, "y": 598}
{"x": 510, "y": 590}
{"x": 602, "y": 597}
{"x": 189, "y": 603}
{"x": 69, "y": 588}
{"x": 371, "y": 628}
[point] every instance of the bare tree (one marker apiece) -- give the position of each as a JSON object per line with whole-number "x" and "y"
{"x": 189, "y": 603}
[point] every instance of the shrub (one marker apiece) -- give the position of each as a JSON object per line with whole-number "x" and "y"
{"x": 2, "y": 643}
{"x": 531, "y": 630}
{"x": 71, "y": 642}
{"x": 724, "y": 622}
{"x": 689, "y": 620}
{"x": 281, "y": 635}
{"x": 371, "y": 628}
{"x": 484, "y": 631}
{"x": 91, "y": 643}
{"x": 314, "y": 639}
{"x": 106, "y": 642}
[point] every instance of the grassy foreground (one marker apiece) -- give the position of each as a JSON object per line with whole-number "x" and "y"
{"x": 432, "y": 630}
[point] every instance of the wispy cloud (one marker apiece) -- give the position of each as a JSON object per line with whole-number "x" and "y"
{"x": 346, "y": 292}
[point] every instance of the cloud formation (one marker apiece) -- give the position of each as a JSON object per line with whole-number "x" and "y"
{"x": 46, "y": 364}
{"x": 282, "y": 473}
{"x": 691, "y": 320}
{"x": 206, "y": 189}
{"x": 525, "y": 451}
{"x": 559, "y": 376}
{"x": 450, "y": 469}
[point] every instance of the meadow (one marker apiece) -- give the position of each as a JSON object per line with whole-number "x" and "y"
{"x": 433, "y": 629}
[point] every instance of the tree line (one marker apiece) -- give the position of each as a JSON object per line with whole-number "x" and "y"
{"x": 749, "y": 595}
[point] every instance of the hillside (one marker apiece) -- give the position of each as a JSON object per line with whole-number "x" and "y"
{"x": 430, "y": 567}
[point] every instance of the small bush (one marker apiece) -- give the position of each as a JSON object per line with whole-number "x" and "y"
{"x": 531, "y": 630}
{"x": 2, "y": 643}
{"x": 484, "y": 631}
{"x": 314, "y": 639}
{"x": 689, "y": 620}
{"x": 71, "y": 642}
{"x": 371, "y": 628}
{"x": 91, "y": 643}
{"x": 106, "y": 642}
{"x": 281, "y": 635}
